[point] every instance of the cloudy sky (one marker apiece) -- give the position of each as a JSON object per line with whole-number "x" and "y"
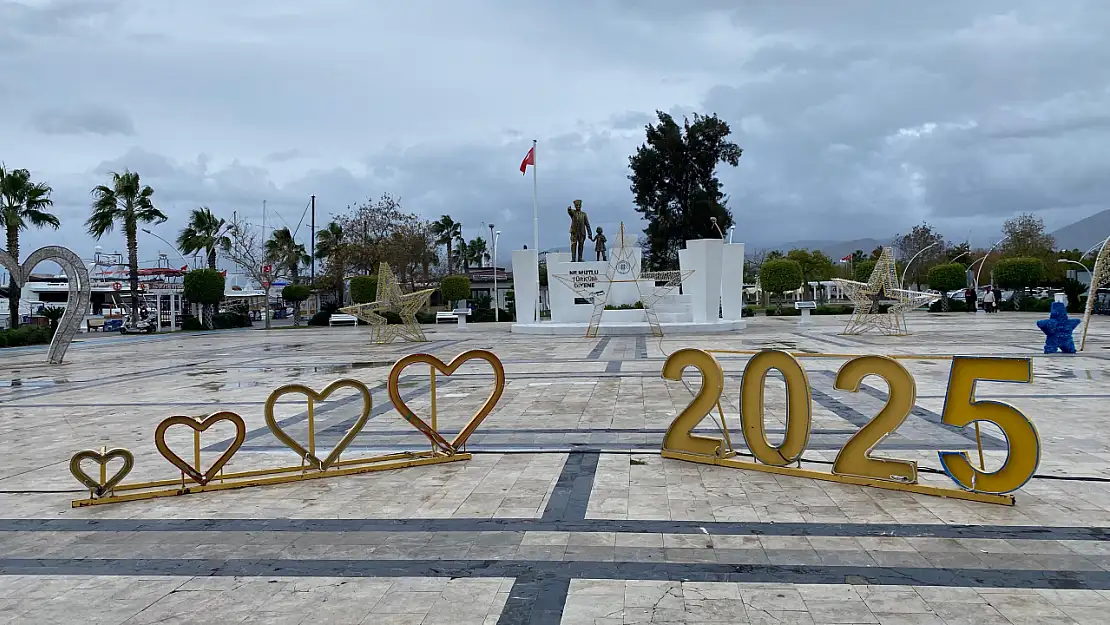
{"x": 857, "y": 118}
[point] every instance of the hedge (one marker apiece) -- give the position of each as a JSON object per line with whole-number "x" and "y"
{"x": 780, "y": 275}
{"x": 1019, "y": 273}
{"x": 25, "y": 335}
{"x": 204, "y": 286}
{"x": 454, "y": 288}
{"x": 364, "y": 289}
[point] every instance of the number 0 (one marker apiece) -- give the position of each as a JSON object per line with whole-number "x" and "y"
{"x": 798, "y": 407}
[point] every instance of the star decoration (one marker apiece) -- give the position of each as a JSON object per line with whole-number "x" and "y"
{"x": 623, "y": 267}
{"x": 1057, "y": 330}
{"x": 881, "y": 288}
{"x": 390, "y": 298}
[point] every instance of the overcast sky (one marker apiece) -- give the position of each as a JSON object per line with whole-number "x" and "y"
{"x": 857, "y": 118}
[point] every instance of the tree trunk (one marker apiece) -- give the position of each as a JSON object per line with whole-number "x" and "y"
{"x": 448, "y": 258}
{"x": 13, "y": 288}
{"x": 133, "y": 266}
{"x": 296, "y": 305}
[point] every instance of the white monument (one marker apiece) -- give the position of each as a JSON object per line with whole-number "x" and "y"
{"x": 618, "y": 297}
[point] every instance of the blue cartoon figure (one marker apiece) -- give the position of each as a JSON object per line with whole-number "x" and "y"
{"x": 1058, "y": 329}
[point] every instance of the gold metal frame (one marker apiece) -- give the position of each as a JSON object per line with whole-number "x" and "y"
{"x": 881, "y": 287}
{"x": 105, "y": 490}
{"x": 388, "y": 298}
{"x": 680, "y": 443}
{"x": 1099, "y": 277}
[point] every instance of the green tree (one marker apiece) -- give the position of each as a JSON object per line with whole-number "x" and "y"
{"x": 54, "y": 314}
{"x": 286, "y": 254}
{"x": 128, "y": 202}
{"x": 778, "y": 276}
{"x": 922, "y": 239}
{"x": 675, "y": 185}
{"x": 876, "y": 253}
{"x": 1025, "y": 237}
{"x": 857, "y": 256}
{"x": 815, "y": 266}
{"x": 447, "y": 231}
{"x": 1019, "y": 274}
{"x": 945, "y": 278}
{"x": 23, "y": 203}
{"x": 476, "y": 252}
{"x": 959, "y": 254}
{"x": 863, "y": 269}
{"x": 296, "y": 293}
{"x": 364, "y": 289}
{"x": 454, "y": 288}
{"x": 204, "y": 287}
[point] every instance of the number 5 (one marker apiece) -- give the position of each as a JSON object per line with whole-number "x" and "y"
{"x": 961, "y": 409}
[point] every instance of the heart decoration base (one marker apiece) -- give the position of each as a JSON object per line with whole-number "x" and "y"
{"x": 196, "y": 478}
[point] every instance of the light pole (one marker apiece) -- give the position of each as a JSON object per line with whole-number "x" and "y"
{"x": 902, "y": 282}
{"x": 167, "y": 243}
{"x": 1075, "y": 262}
{"x": 984, "y": 259}
{"x": 496, "y": 303}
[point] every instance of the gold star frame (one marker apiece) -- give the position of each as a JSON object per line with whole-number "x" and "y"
{"x": 881, "y": 288}
{"x": 390, "y": 298}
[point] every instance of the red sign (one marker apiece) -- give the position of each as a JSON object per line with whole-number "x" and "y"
{"x": 116, "y": 286}
{"x": 265, "y": 285}
{"x": 267, "y": 269}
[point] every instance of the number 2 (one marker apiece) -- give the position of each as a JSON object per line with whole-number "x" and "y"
{"x": 855, "y": 457}
{"x": 678, "y": 436}
{"x": 962, "y": 409}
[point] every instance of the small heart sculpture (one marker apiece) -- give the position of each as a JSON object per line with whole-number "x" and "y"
{"x": 448, "y": 369}
{"x": 101, "y": 459}
{"x": 314, "y": 396}
{"x": 80, "y": 291}
{"x": 201, "y": 425}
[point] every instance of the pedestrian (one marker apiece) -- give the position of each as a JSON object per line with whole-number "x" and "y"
{"x": 989, "y": 300}
{"x": 969, "y": 299}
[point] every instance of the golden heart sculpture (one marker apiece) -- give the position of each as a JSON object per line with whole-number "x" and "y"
{"x": 448, "y": 369}
{"x": 200, "y": 425}
{"x": 314, "y": 396}
{"x": 102, "y": 459}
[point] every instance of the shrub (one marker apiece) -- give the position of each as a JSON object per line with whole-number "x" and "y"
{"x": 832, "y": 309}
{"x": 204, "y": 286}
{"x": 191, "y": 324}
{"x": 485, "y": 315}
{"x": 747, "y": 311}
{"x": 947, "y": 277}
{"x": 321, "y": 318}
{"x": 783, "y": 311}
{"x": 1019, "y": 273}
{"x": 454, "y": 288}
{"x": 26, "y": 335}
{"x": 780, "y": 275}
{"x": 425, "y": 316}
{"x": 364, "y": 289}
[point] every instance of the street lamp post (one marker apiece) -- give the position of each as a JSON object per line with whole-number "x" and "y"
{"x": 984, "y": 261}
{"x": 731, "y": 229}
{"x": 902, "y": 282}
{"x": 496, "y": 303}
{"x": 1075, "y": 262}
{"x": 167, "y": 243}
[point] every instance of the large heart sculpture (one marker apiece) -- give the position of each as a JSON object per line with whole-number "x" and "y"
{"x": 80, "y": 291}
{"x": 448, "y": 369}
{"x": 101, "y": 459}
{"x": 201, "y": 425}
{"x": 315, "y": 396}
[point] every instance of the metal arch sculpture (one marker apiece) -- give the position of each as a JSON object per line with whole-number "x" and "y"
{"x": 80, "y": 291}
{"x": 1099, "y": 276}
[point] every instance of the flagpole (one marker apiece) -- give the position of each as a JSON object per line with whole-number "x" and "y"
{"x": 535, "y": 222}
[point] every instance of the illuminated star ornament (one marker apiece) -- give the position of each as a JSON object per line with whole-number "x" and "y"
{"x": 882, "y": 288}
{"x": 390, "y": 298}
{"x": 625, "y": 267}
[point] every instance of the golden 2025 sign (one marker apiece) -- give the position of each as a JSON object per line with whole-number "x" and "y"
{"x": 855, "y": 463}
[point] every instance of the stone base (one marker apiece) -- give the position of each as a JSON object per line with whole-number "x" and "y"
{"x": 629, "y": 329}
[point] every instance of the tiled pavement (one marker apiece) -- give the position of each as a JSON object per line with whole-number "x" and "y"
{"x": 566, "y": 514}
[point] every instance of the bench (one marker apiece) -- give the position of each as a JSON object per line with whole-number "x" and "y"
{"x": 446, "y": 315}
{"x": 94, "y": 324}
{"x": 341, "y": 318}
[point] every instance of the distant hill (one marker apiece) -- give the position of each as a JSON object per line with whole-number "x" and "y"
{"x": 1084, "y": 233}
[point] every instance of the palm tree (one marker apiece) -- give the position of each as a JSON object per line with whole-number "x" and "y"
{"x": 22, "y": 203}
{"x": 284, "y": 251}
{"x": 128, "y": 202}
{"x": 460, "y": 253}
{"x": 476, "y": 251}
{"x": 447, "y": 231}
{"x": 329, "y": 247}
{"x": 203, "y": 234}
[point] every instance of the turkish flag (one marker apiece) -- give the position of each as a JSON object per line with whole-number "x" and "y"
{"x": 530, "y": 159}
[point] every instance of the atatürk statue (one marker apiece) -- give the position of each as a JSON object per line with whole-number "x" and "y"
{"x": 579, "y": 230}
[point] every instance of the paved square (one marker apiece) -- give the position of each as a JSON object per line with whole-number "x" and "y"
{"x": 566, "y": 513}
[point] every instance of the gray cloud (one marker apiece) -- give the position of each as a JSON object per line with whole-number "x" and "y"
{"x": 97, "y": 120}
{"x": 858, "y": 118}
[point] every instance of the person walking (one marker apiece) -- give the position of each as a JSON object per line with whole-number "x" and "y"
{"x": 989, "y": 300}
{"x": 969, "y": 299}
